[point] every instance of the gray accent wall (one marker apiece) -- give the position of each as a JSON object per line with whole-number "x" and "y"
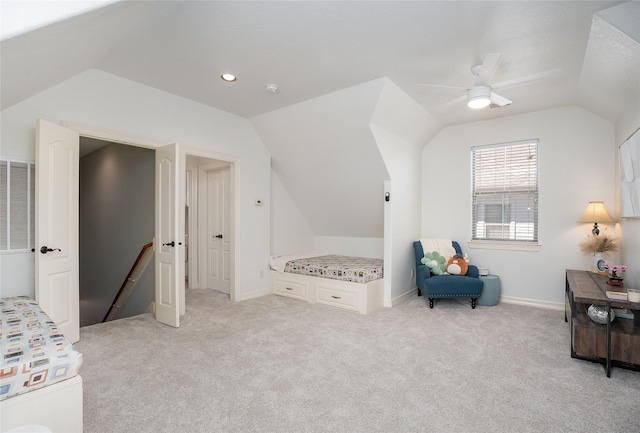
{"x": 117, "y": 190}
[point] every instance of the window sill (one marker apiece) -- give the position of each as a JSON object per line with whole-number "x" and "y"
{"x": 3, "y": 252}
{"x": 509, "y": 246}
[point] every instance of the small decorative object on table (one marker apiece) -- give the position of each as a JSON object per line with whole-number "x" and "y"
{"x": 634, "y": 295}
{"x": 598, "y": 313}
{"x": 598, "y": 246}
{"x": 614, "y": 278}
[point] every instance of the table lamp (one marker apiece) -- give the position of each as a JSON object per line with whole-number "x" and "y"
{"x": 596, "y": 213}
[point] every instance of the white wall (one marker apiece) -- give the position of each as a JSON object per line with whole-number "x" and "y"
{"x": 629, "y": 227}
{"x": 290, "y": 232}
{"x": 577, "y": 165}
{"x": 402, "y": 212}
{"x": 350, "y": 246}
{"x": 106, "y": 101}
{"x": 327, "y": 160}
{"x": 401, "y": 128}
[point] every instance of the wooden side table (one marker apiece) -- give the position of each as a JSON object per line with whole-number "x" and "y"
{"x": 616, "y": 343}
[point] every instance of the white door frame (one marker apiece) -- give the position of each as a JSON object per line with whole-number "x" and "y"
{"x": 234, "y": 164}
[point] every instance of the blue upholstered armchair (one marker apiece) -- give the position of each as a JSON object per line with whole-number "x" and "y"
{"x": 447, "y": 286}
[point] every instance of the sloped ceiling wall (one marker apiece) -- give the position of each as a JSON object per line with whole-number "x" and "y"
{"x": 322, "y": 149}
{"x": 404, "y": 117}
{"x": 324, "y": 153}
{"x": 610, "y": 77}
{"x": 327, "y": 158}
{"x": 46, "y": 56}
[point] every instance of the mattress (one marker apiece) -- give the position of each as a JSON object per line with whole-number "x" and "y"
{"x": 344, "y": 268}
{"x": 34, "y": 352}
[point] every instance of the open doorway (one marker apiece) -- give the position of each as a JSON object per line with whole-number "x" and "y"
{"x": 116, "y": 220}
{"x": 57, "y": 198}
{"x": 132, "y": 168}
{"x": 209, "y": 222}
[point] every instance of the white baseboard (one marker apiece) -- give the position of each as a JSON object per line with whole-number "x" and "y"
{"x": 255, "y": 294}
{"x": 533, "y": 303}
{"x": 390, "y": 303}
{"x": 151, "y": 308}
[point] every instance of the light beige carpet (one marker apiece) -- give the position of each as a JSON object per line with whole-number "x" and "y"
{"x": 274, "y": 364}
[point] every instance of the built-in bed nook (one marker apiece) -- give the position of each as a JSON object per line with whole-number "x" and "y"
{"x": 40, "y": 389}
{"x": 350, "y": 283}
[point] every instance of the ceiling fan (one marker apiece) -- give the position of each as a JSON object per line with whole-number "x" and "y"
{"x": 482, "y": 93}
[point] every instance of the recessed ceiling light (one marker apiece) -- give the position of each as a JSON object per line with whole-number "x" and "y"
{"x": 229, "y": 77}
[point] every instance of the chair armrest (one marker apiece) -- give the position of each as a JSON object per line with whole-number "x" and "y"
{"x": 472, "y": 271}
{"x": 423, "y": 272}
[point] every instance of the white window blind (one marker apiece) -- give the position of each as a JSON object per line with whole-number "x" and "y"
{"x": 505, "y": 192}
{"x": 17, "y": 202}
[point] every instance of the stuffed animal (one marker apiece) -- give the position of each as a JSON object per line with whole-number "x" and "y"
{"x": 435, "y": 262}
{"x": 457, "y": 265}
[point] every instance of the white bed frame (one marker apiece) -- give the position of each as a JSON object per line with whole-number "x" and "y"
{"x": 57, "y": 407}
{"x": 364, "y": 298}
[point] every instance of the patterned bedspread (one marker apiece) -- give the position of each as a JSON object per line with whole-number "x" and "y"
{"x": 345, "y": 268}
{"x": 34, "y": 352}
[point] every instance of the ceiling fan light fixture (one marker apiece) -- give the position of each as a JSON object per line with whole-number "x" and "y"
{"x": 479, "y": 97}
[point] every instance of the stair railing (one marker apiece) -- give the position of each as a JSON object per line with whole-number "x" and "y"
{"x": 143, "y": 259}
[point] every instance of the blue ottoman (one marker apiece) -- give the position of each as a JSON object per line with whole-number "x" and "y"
{"x": 491, "y": 293}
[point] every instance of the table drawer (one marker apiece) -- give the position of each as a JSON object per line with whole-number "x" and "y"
{"x": 292, "y": 289}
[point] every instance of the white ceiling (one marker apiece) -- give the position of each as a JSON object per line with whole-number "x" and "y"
{"x": 312, "y": 48}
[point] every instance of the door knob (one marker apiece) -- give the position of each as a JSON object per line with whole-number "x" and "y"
{"x": 219, "y": 236}
{"x": 169, "y": 244}
{"x": 45, "y": 249}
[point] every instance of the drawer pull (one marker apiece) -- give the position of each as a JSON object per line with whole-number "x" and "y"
{"x": 288, "y": 288}
{"x": 336, "y": 297}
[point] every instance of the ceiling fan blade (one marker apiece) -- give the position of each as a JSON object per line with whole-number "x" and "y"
{"x": 437, "y": 86}
{"x": 488, "y": 68}
{"x": 529, "y": 79}
{"x": 451, "y": 103}
{"x": 498, "y": 100}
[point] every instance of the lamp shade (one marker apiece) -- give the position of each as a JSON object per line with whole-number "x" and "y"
{"x": 596, "y": 212}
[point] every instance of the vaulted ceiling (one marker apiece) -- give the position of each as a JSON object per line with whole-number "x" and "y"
{"x": 319, "y": 51}
{"x": 312, "y": 48}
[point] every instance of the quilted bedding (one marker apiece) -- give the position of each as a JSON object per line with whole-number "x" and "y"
{"x": 34, "y": 352}
{"x": 344, "y": 268}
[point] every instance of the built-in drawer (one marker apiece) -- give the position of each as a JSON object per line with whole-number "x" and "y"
{"x": 292, "y": 289}
{"x": 337, "y": 298}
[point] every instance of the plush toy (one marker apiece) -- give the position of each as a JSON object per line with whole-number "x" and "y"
{"x": 435, "y": 262}
{"x": 457, "y": 265}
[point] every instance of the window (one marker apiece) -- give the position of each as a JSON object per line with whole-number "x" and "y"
{"x": 17, "y": 201}
{"x": 505, "y": 192}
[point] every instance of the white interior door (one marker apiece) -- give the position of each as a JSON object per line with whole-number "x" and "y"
{"x": 216, "y": 208}
{"x": 169, "y": 232}
{"x": 56, "y": 241}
